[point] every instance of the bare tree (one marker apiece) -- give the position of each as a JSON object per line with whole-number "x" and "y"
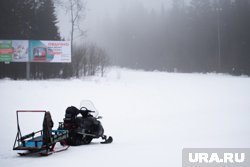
{"x": 89, "y": 59}
{"x": 103, "y": 60}
{"x": 92, "y": 59}
{"x": 76, "y": 11}
{"x": 79, "y": 61}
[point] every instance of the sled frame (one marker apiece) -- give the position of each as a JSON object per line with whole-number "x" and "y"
{"x": 34, "y": 143}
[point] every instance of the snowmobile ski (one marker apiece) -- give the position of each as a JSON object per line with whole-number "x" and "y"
{"x": 107, "y": 141}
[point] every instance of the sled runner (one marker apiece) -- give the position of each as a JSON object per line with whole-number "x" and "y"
{"x": 42, "y": 141}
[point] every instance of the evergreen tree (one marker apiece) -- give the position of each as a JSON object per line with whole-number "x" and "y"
{"x": 202, "y": 36}
{"x": 241, "y": 37}
{"x": 44, "y": 21}
{"x": 10, "y": 19}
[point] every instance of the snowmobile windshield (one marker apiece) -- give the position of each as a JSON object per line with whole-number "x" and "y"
{"x": 87, "y": 104}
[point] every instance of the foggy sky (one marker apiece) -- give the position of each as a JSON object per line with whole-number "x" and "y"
{"x": 99, "y": 9}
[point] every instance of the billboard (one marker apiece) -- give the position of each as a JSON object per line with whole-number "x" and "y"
{"x": 35, "y": 51}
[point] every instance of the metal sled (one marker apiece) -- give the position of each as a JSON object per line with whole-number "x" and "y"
{"x": 42, "y": 141}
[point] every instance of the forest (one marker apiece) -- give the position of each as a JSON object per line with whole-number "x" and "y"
{"x": 189, "y": 36}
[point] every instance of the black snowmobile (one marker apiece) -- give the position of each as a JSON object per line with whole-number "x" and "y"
{"x": 83, "y": 125}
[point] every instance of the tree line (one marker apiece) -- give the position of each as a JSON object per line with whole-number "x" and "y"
{"x": 190, "y": 36}
{"x": 36, "y": 20}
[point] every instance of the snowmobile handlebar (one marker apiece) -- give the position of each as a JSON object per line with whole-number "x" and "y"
{"x": 86, "y": 110}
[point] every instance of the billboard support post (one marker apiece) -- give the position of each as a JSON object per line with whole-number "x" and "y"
{"x": 28, "y": 70}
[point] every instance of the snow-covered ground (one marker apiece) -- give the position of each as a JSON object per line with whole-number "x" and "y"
{"x": 152, "y": 116}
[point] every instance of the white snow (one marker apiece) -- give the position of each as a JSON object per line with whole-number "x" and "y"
{"x": 152, "y": 116}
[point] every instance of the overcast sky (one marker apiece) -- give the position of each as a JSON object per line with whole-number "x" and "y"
{"x": 98, "y": 9}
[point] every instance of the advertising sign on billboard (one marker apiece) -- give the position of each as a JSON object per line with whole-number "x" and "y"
{"x": 14, "y": 50}
{"x": 35, "y": 51}
{"x": 20, "y": 50}
{"x": 6, "y": 50}
{"x": 50, "y": 51}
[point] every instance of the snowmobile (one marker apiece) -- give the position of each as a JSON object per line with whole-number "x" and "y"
{"x": 83, "y": 125}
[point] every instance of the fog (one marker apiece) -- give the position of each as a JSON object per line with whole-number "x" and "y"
{"x": 169, "y": 35}
{"x": 98, "y": 10}
{"x": 100, "y": 15}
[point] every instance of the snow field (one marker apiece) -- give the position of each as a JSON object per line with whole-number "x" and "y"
{"x": 152, "y": 116}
